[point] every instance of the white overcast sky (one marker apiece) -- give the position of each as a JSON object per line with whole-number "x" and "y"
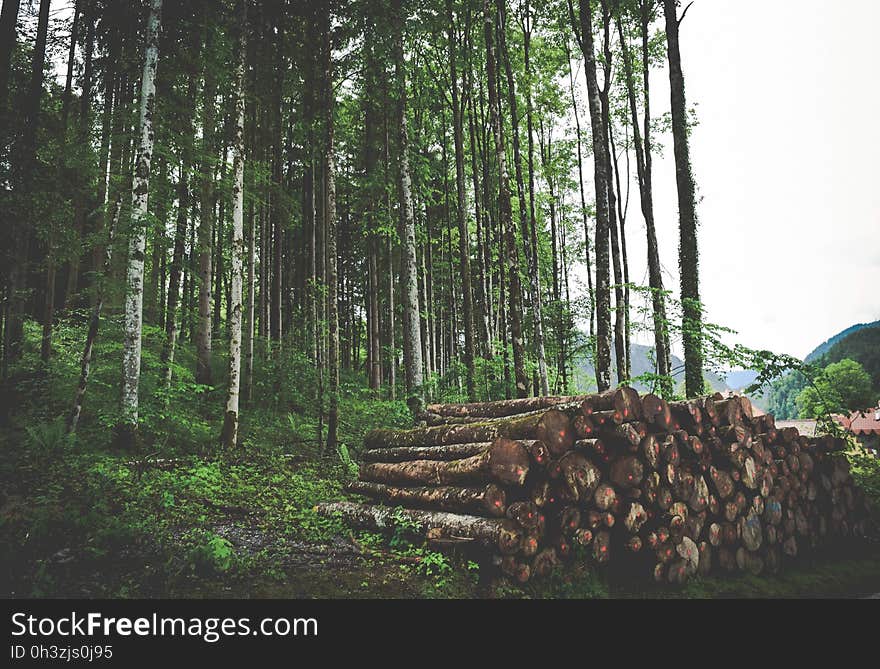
{"x": 785, "y": 159}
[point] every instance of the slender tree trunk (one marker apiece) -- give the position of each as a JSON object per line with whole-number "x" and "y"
{"x": 330, "y": 219}
{"x": 8, "y": 22}
{"x": 134, "y": 293}
{"x": 206, "y": 221}
{"x": 643, "y": 172}
{"x": 94, "y": 323}
{"x": 600, "y": 165}
{"x": 251, "y": 288}
{"x": 524, "y": 211}
{"x": 688, "y": 255}
{"x": 514, "y": 313}
{"x": 621, "y": 219}
{"x": 464, "y": 247}
{"x": 230, "y": 421}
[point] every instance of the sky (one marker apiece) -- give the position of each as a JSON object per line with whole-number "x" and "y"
{"x": 785, "y": 160}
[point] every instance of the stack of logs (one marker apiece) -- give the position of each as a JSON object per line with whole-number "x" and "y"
{"x": 678, "y": 488}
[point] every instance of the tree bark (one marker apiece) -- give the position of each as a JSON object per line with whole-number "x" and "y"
{"x": 230, "y": 419}
{"x": 134, "y": 294}
{"x": 688, "y": 254}
{"x": 514, "y": 312}
{"x": 601, "y": 179}
{"x": 489, "y": 500}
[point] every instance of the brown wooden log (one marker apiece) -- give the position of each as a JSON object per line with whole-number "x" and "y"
{"x": 605, "y": 496}
{"x": 669, "y": 451}
{"x": 531, "y": 542}
{"x": 766, "y": 484}
{"x": 540, "y": 493}
{"x": 730, "y": 511}
{"x": 714, "y": 534}
{"x": 579, "y": 476}
{"x": 627, "y": 436}
{"x": 591, "y": 446}
{"x": 524, "y": 513}
{"x": 749, "y": 561}
{"x": 677, "y": 572}
{"x": 729, "y": 534}
{"x": 656, "y": 412}
{"x": 505, "y": 462}
{"x": 570, "y": 519}
{"x": 758, "y": 504}
{"x": 687, "y": 415}
{"x": 633, "y": 544}
{"x": 602, "y": 547}
{"x": 503, "y": 408}
{"x": 593, "y": 519}
{"x": 584, "y": 427}
{"x": 650, "y": 487}
{"x": 714, "y": 507}
{"x": 727, "y": 558}
{"x": 670, "y": 475}
{"x": 689, "y": 552}
{"x": 722, "y": 482}
{"x": 751, "y": 531}
{"x": 608, "y": 519}
{"x": 684, "y": 485}
{"x": 705, "y": 566}
{"x": 660, "y": 572}
{"x": 552, "y": 427}
{"x": 650, "y": 450}
{"x": 604, "y": 420}
{"x": 626, "y": 471}
{"x": 488, "y": 500}
{"x": 772, "y": 511}
{"x": 790, "y": 546}
{"x": 544, "y": 562}
{"x": 730, "y": 410}
{"x": 563, "y": 547}
{"x": 515, "y": 569}
{"x": 699, "y": 499}
{"x": 710, "y": 415}
{"x": 635, "y": 516}
{"x": 453, "y": 452}
{"x": 664, "y": 497}
{"x": 499, "y": 533}
{"x": 622, "y": 399}
{"x": 583, "y": 536}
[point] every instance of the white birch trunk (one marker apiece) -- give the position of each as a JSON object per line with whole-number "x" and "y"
{"x": 134, "y": 290}
{"x": 230, "y": 421}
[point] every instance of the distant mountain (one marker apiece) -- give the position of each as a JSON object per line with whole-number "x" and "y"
{"x": 642, "y": 362}
{"x": 738, "y": 379}
{"x": 825, "y": 346}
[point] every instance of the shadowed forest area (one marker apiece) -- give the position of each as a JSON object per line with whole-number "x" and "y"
{"x": 240, "y": 234}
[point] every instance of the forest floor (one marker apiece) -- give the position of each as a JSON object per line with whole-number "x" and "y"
{"x": 181, "y": 518}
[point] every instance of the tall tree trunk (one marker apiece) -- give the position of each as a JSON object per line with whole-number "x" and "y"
{"x": 134, "y": 293}
{"x": 688, "y": 255}
{"x": 206, "y": 219}
{"x": 622, "y": 207}
{"x": 331, "y": 226}
{"x": 643, "y": 173}
{"x": 584, "y": 31}
{"x": 620, "y": 305}
{"x": 524, "y": 212}
{"x": 514, "y": 312}
{"x": 464, "y": 246}
{"x": 532, "y": 244}
{"x": 8, "y": 22}
{"x": 94, "y": 323}
{"x": 230, "y": 421}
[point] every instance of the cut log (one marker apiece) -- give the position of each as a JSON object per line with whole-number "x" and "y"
{"x": 488, "y": 500}
{"x": 602, "y": 547}
{"x": 656, "y": 412}
{"x": 751, "y": 531}
{"x": 591, "y": 446}
{"x": 687, "y": 415}
{"x": 722, "y": 482}
{"x": 626, "y": 472}
{"x": 570, "y": 519}
{"x": 544, "y": 562}
{"x": 678, "y": 572}
{"x": 687, "y": 550}
{"x": 633, "y": 544}
{"x": 579, "y": 476}
{"x": 627, "y": 436}
{"x": 714, "y": 535}
{"x": 503, "y": 408}
{"x": 453, "y": 452}
{"x": 515, "y": 569}
{"x": 583, "y": 536}
{"x": 605, "y": 496}
{"x": 705, "y": 566}
{"x": 650, "y": 450}
{"x": 552, "y": 427}
{"x": 498, "y": 533}
{"x": 505, "y": 462}
{"x": 584, "y": 427}
{"x": 699, "y": 499}
{"x": 635, "y": 517}
{"x": 622, "y": 399}
{"x": 524, "y": 513}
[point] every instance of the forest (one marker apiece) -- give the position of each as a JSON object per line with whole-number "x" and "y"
{"x": 241, "y": 233}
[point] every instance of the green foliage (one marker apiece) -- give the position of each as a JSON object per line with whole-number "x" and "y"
{"x": 841, "y": 387}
